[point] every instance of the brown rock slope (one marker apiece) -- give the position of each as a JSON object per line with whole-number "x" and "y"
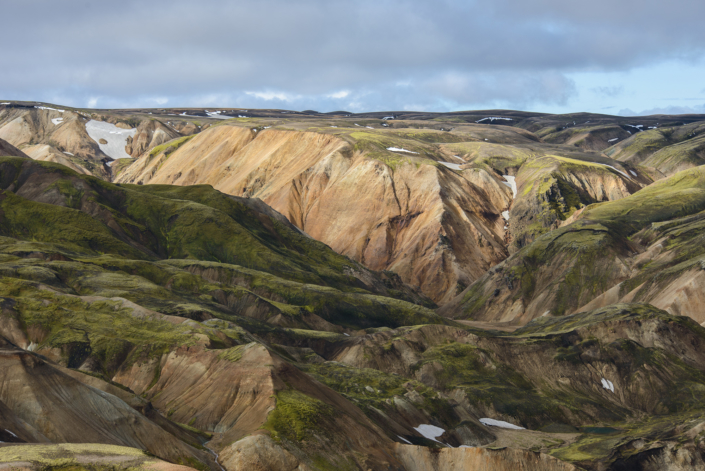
{"x": 646, "y": 247}
{"x": 434, "y": 226}
{"x": 7, "y": 149}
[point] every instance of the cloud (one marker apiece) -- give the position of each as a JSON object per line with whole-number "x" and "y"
{"x": 608, "y": 91}
{"x": 698, "y": 109}
{"x": 331, "y": 54}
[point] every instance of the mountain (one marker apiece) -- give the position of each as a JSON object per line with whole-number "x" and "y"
{"x": 322, "y": 291}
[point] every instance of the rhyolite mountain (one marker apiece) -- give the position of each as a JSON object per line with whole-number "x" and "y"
{"x": 388, "y": 291}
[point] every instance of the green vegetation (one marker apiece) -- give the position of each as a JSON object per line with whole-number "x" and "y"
{"x": 169, "y": 147}
{"x": 296, "y": 416}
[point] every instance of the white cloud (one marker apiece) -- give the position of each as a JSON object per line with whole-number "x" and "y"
{"x": 340, "y": 94}
{"x": 269, "y": 96}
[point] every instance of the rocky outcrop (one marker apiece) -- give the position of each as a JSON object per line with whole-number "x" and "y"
{"x": 8, "y": 149}
{"x": 150, "y": 133}
{"x": 416, "y": 458}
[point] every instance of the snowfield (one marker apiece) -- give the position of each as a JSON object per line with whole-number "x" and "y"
{"x": 401, "y": 149}
{"x": 430, "y": 431}
{"x": 450, "y": 165}
{"x": 116, "y": 137}
{"x": 57, "y": 121}
{"x": 500, "y": 423}
{"x": 511, "y": 183}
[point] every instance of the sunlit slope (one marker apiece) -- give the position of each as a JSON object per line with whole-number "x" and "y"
{"x": 570, "y": 266}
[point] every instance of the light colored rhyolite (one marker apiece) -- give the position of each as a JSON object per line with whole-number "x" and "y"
{"x": 430, "y": 224}
{"x": 418, "y": 458}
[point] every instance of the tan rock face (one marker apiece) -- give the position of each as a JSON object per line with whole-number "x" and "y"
{"x": 417, "y": 458}
{"x": 432, "y": 225}
{"x": 259, "y": 453}
{"x": 149, "y": 134}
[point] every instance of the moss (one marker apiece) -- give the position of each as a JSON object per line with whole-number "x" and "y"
{"x": 170, "y": 146}
{"x": 296, "y": 416}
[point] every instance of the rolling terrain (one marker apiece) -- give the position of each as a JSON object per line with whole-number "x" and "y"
{"x": 275, "y": 290}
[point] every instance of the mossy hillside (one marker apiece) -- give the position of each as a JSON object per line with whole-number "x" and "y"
{"x": 375, "y": 145}
{"x": 584, "y": 257}
{"x": 65, "y": 456}
{"x": 104, "y": 329}
{"x": 499, "y": 157}
{"x": 684, "y": 238}
{"x": 296, "y": 416}
{"x": 619, "y": 444}
{"x": 170, "y": 146}
{"x": 354, "y": 310}
{"x": 69, "y": 228}
{"x": 162, "y": 223}
{"x": 285, "y": 240}
{"x": 614, "y": 313}
{"x": 374, "y": 391}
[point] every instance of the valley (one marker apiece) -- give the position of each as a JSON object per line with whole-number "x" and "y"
{"x": 228, "y": 289}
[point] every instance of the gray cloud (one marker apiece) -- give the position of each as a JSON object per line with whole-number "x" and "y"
{"x": 385, "y": 54}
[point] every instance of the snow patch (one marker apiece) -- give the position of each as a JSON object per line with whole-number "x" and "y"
{"x": 402, "y": 438}
{"x": 612, "y": 140}
{"x": 11, "y": 433}
{"x": 5, "y": 103}
{"x": 47, "y": 108}
{"x": 430, "y": 432}
{"x": 451, "y": 165}
{"x": 500, "y": 423}
{"x": 615, "y": 169}
{"x": 68, "y": 153}
{"x": 216, "y": 114}
{"x": 346, "y": 334}
{"x": 493, "y": 119}
{"x": 369, "y": 127}
{"x": 401, "y": 149}
{"x": 607, "y": 384}
{"x": 633, "y": 173}
{"x": 57, "y": 121}
{"x": 505, "y": 215}
{"x": 511, "y": 183}
{"x": 116, "y": 137}
{"x": 385, "y": 118}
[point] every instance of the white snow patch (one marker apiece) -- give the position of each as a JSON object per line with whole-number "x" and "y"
{"x": 500, "y": 423}
{"x": 369, "y": 127}
{"x": 57, "y": 121}
{"x": 615, "y": 169}
{"x": 451, "y": 165}
{"x": 32, "y": 347}
{"x": 47, "y": 108}
{"x": 493, "y": 118}
{"x": 346, "y": 334}
{"x": 430, "y": 431}
{"x": 607, "y": 384}
{"x": 116, "y": 137}
{"x": 216, "y": 114}
{"x": 633, "y": 173}
{"x": 401, "y": 149}
{"x": 385, "y": 118}
{"x": 511, "y": 183}
{"x": 612, "y": 140}
{"x": 68, "y": 153}
{"x": 505, "y": 215}
{"x": 334, "y": 126}
{"x": 637, "y": 127}
{"x": 5, "y": 103}
{"x": 241, "y": 116}
{"x": 487, "y": 139}
{"x": 11, "y": 433}
{"x": 402, "y": 438}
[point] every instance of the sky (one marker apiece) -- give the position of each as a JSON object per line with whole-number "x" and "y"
{"x": 556, "y": 56}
